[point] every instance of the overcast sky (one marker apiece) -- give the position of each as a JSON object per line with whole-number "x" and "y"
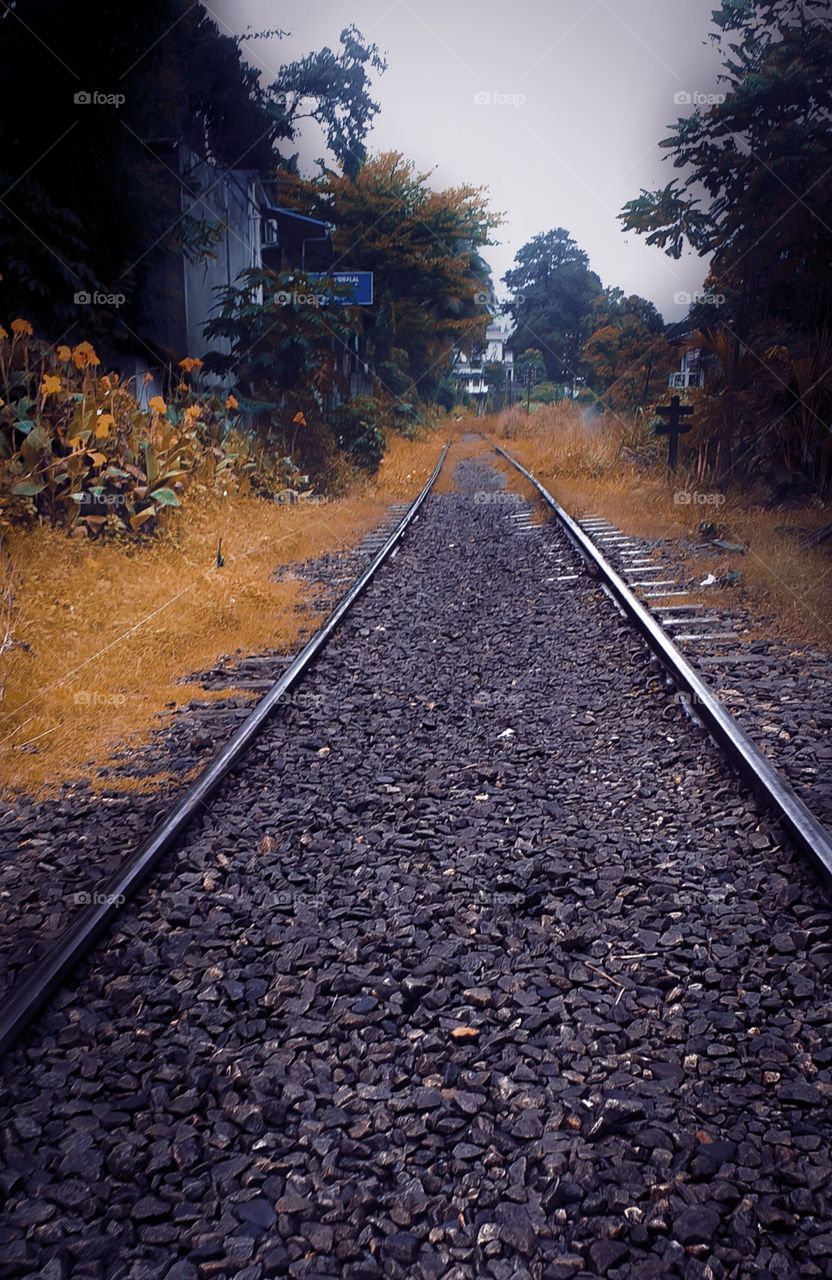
{"x": 577, "y": 95}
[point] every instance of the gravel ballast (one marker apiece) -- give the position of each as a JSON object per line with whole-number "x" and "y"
{"x": 482, "y": 965}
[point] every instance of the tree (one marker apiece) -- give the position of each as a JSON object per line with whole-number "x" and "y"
{"x": 494, "y": 374}
{"x": 756, "y": 193}
{"x": 612, "y": 306}
{"x": 287, "y": 352}
{"x": 762, "y": 160}
{"x": 335, "y": 88}
{"x": 553, "y": 290}
{"x": 530, "y": 361}
{"x": 284, "y": 351}
{"x": 529, "y": 371}
{"x": 282, "y": 343}
{"x": 423, "y": 249}
{"x": 622, "y": 358}
{"x": 626, "y": 350}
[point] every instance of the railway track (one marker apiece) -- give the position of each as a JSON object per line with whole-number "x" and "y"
{"x": 483, "y": 966}
{"x": 652, "y": 616}
{"x": 107, "y": 898}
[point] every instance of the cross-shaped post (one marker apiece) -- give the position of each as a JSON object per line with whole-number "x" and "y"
{"x": 674, "y": 412}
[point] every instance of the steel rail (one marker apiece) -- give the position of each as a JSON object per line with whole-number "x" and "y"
{"x": 809, "y": 834}
{"x": 46, "y": 974}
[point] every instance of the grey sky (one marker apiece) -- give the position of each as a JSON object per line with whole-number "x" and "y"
{"x": 592, "y": 83}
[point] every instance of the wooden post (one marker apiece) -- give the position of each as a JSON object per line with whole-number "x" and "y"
{"x": 674, "y": 412}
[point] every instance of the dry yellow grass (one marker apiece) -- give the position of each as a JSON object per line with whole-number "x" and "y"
{"x": 587, "y": 470}
{"x": 104, "y": 635}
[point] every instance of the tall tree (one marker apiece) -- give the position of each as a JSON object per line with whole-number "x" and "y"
{"x": 422, "y": 245}
{"x": 334, "y": 89}
{"x": 757, "y": 186}
{"x": 625, "y": 363}
{"x": 613, "y": 305}
{"x": 625, "y": 358}
{"x": 756, "y": 192}
{"x": 553, "y": 289}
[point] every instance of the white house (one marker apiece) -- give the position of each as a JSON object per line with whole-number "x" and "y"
{"x": 497, "y": 350}
{"x": 498, "y": 347}
{"x": 690, "y": 373}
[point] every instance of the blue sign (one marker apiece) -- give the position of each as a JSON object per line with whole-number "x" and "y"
{"x": 355, "y": 288}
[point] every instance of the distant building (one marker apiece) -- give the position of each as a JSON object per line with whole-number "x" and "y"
{"x": 471, "y": 373}
{"x": 690, "y": 374}
{"x": 693, "y": 360}
{"x": 498, "y": 348}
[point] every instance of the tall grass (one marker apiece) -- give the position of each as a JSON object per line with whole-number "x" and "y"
{"x": 102, "y": 634}
{"x": 561, "y": 440}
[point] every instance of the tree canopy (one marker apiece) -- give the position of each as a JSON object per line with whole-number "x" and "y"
{"x": 755, "y": 192}
{"x": 756, "y": 184}
{"x": 553, "y": 289}
{"x": 430, "y": 283}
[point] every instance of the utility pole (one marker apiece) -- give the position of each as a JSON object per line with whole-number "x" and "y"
{"x": 530, "y": 378}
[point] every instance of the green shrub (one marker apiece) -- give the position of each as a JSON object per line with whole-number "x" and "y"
{"x": 357, "y": 427}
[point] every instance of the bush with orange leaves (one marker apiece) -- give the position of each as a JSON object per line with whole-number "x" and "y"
{"x": 78, "y": 449}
